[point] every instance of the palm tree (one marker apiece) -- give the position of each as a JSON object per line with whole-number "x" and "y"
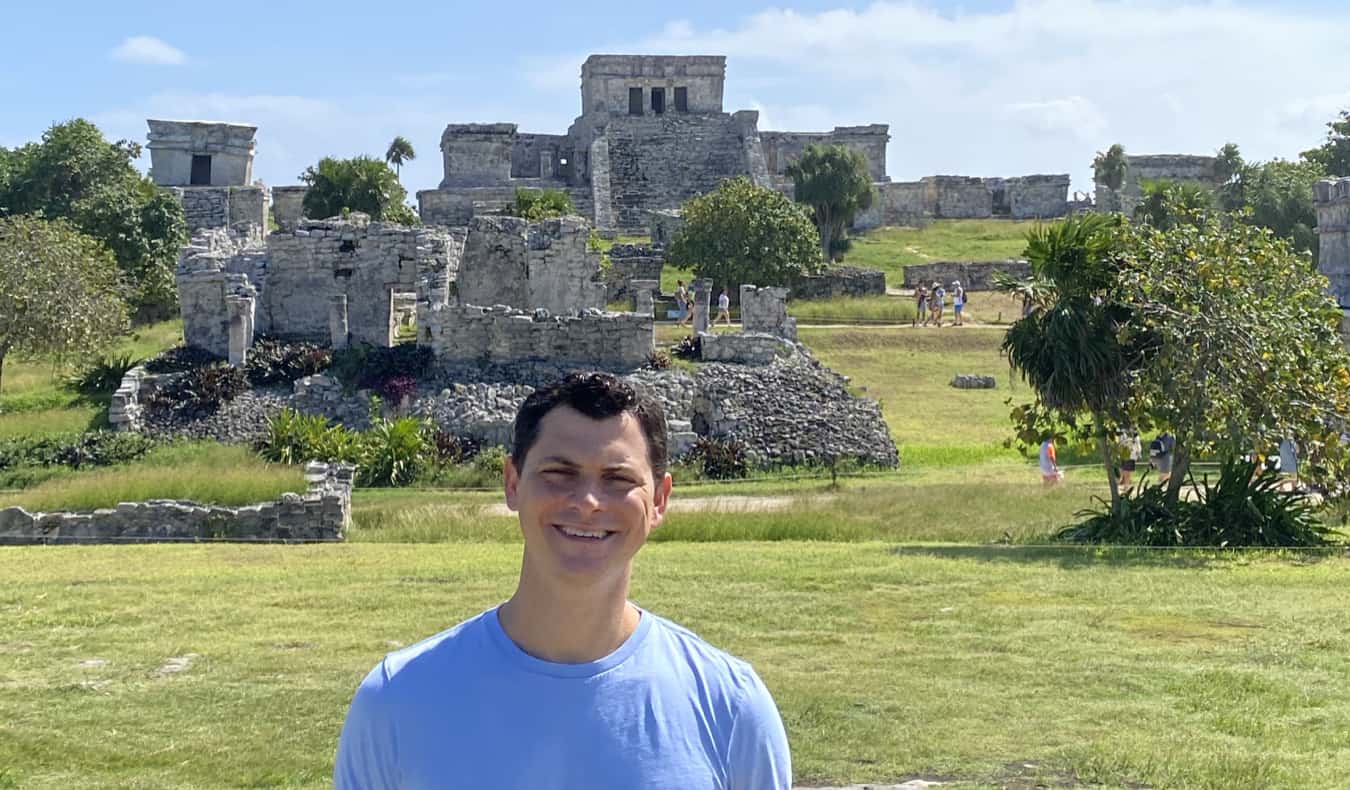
{"x": 400, "y": 151}
{"x": 1109, "y": 166}
{"x": 1068, "y": 349}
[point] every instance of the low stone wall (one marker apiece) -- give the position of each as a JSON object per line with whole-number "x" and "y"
{"x": 629, "y": 262}
{"x": 528, "y": 265}
{"x": 744, "y": 348}
{"x": 974, "y": 275}
{"x": 500, "y": 334}
{"x": 323, "y": 513}
{"x": 125, "y": 411}
{"x": 764, "y": 310}
{"x": 842, "y": 281}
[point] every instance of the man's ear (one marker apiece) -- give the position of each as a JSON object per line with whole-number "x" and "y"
{"x": 510, "y": 481}
{"x": 661, "y": 500}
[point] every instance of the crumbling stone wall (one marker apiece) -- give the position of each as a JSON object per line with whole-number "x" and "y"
{"x": 523, "y": 264}
{"x": 1331, "y": 199}
{"x": 896, "y": 203}
{"x": 840, "y": 281}
{"x": 744, "y": 348}
{"x": 477, "y": 154}
{"x": 630, "y": 262}
{"x": 458, "y": 334}
{"x": 444, "y": 207}
{"x": 243, "y": 209}
{"x": 1038, "y": 196}
{"x": 288, "y": 206}
{"x": 539, "y": 156}
{"x": 765, "y": 310}
{"x": 663, "y": 224}
{"x": 958, "y": 197}
{"x": 323, "y": 513}
{"x": 973, "y": 275}
{"x": 1184, "y": 168}
{"x": 214, "y": 269}
{"x": 783, "y": 148}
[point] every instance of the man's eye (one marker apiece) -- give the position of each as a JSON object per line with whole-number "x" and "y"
{"x": 620, "y": 479}
{"x": 557, "y": 472}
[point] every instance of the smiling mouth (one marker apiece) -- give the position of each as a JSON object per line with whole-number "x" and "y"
{"x": 576, "y": 533}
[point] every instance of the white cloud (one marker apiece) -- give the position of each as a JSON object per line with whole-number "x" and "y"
{"x": 148, "y": 50}
{"x": 1074, "y": 114}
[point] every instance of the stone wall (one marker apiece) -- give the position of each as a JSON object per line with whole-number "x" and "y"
{"x": 629, "y": 262}
{"x": 783, "y": 148}
{"x": 522, "y": 264}
{"x": 321, "y": 514}
{"x": 477, "y": 154}
{"x": 243, "y": 209}
{"x": 210, "y": 274}
{"x": 459, "y": 334}
{"x": 957, "y": 197}
{"x": 539, "y": 156}
{"x": 367, "y": 262}
{"x": 896, "y": 203}
{"x": 764, "y": 310}
{"x": 1331, "y": 199}
{"x": 973, "y": 275}
{"x": 840, "y": 281}
{"x": 658, "y": 162}
{"x": 1185, "y": 168}
{"x": 663, "y": 224}
{"x": 444, "y": 207}
{"x": 743, "y": 348}
{"x": 173, "y": 144}
{"x": 288, "y": 206}
{"x": 1038, "y": 196}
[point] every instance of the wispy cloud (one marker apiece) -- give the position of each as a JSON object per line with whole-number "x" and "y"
{"x": 148, "y": 50}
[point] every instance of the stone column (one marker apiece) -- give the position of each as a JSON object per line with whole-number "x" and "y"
{"x": 240, "y": 309}
{"x": 546, "y": 164}
{"x": 337, "y": 321}
{"x": 702, "y": 292}
{"x": 643, "y": 304}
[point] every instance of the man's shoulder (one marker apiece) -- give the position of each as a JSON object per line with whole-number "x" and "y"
{"x": 719, "y": 668}
{"x": 432, "y": 655}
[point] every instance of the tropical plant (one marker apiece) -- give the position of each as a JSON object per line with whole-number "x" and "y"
{"x": 742, "y": 233}
{"x": 60, "y": 291}
{"x": 537, "y": 204}
{"x": 834, "y": 181}
{"x": 1110, "y": 166}
{"x": 1165, "y": 204}
{"x": 275, "y": 361}
{"x": 1333, "y": 155}
{"x": 102, "y": 376}
{"x": 364, "y": 184}
{"x": 200, "y": 392}
{"x": 399, "y": 151}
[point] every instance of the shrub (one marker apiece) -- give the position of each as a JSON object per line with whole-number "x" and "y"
{"x": 97, "y": 448}
{"x": 274, "y": 361}
{"x": 396, "y": 452}
{"x": 658, "y": 360}
{"x": 1241, "y": 508}
{"x": 180, "y": 359}
{"x": 537, "y": 204}
{"x": 200, "y": 392}
{"x": 491, "y": 462}
{"x": 720, "y": 459}
{"x": 451, "y": 449}
{"x": 395, "y": 388}
{"x": 295, "y": 438}
{"x": 368, "y": 367}
{"x": 103, "y": 376}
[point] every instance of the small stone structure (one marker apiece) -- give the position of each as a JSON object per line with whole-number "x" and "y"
{"x": 615, "y": 341}
{"x": 208, "y": 166}
{"x": 767, "y": 332}
{"x": 1331, "y": 199}
{"x": 973, "y": 381}
{"x": 527, "y": 265}
{"x": 288, "y": 205}
{"x": 973, "y": 275}
{"x": 915, "y": 203}
{"x": 958, "y": 197}
{"x": 1182, "y": 168}
{"x": 840, "y": 281}
{"x": 663, "y": 224}
{"x": 765, "y": 310}
{"x": 321, "y": 514}
{"x": 629, "y": 263}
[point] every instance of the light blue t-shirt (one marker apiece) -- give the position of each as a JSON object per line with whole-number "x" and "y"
{"x": 469, "y": 709}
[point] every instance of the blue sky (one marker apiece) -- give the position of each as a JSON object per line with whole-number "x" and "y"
{"x": 970, "y": 88}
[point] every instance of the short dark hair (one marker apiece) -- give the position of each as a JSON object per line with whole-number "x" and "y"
{"x": 598, "y": 396}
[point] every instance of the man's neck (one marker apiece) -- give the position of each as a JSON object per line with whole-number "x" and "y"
{"x": 568, "y": 626}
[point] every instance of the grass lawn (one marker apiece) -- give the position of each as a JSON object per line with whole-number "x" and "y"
{"x": 230, "y": 666}
{"x": 892, "y": 249}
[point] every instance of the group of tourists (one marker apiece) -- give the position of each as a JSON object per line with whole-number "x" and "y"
{"x": 930, "y": 304}
{"x": 1161, "y": 452}
{"x": 684, "y": 305}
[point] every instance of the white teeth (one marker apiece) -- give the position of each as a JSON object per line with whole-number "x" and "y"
{"x": 581, "y": 533}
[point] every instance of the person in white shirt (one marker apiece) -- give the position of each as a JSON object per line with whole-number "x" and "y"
{"x": 723, "y": 308}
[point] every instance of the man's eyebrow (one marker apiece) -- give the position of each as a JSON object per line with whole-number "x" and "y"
{"x": 557, "y": 459}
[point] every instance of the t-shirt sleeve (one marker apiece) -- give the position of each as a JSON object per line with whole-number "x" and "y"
{"x": 366, "y": 754}
{"x": 760, "y": 759}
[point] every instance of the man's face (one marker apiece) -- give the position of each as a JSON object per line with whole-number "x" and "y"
{"x": 585, "y": 496}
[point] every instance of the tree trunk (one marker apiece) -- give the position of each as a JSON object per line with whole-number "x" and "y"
{"x": 826, "y": 236}
{"x": 1181, "y": 462}
{"x": 1109, "y": 458}
{"x": 4, "y": 349}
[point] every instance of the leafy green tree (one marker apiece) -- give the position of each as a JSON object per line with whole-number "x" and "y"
{"x": 1243, "y": 338}
{"x": 834, "y": 181}
{"x": 741, "y": 233}
{"x": 1277, "y": 195}
{"x": 400, "y": 151}
{"x": 1333, "y": 155}
{"x": 1164, "y": 204}
{"x": 537, "y": 204}
{"x": 76, "y": 174}
{"x": 1109, "y": 167}
{"x": 1070, "y": 349}
{"x": 1228, "y": 163}
{"x": 60, "y": 290}
{"x": 363, "y": 183}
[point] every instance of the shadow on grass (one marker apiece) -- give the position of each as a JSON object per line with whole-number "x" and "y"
{"x": 1076, "y": 557}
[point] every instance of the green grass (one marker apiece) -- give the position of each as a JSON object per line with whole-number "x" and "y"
{"x": 863, "y": 309}
{"x": 892, "y": 249}
{"x": 1201, "y": 670}
{"x": 204, "y": 472}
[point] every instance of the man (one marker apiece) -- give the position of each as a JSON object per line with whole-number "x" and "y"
{"x": 683, "y": 303}
{"x": 723, "y": 307}
{"x": 568, "y": 684}
{"x": 958, "y": 301}
{"x": 936, "y": 296}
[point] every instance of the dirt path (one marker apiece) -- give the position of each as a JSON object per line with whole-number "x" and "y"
{"x": 704, "y": 504}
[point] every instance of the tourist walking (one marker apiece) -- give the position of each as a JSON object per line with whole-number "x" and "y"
{"x": 723, "y": 307}
{"x": 935, "y": 299}
{"x": 958, "y": 301}
{"x": 921, "y": 305}
{"x": 1130, "y": 442}
{"x": 1160, "y": 452}
{"x": 1051, "y": 474}
{"x": 683, "y": 304}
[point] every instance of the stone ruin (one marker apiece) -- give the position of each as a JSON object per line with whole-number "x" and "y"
{"x": 208, "y": 167}
{"x": 323, "y": 513}
{"x": 1331, "y": 199}
{"x": 1182, "y": 168}
{"x": 915, "y": 203}
{"x": 767, "y": 332}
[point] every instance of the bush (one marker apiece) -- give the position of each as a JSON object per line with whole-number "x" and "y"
{"x": 395, "y": 388}
{"x": 491, "y": 462}
{"x": 97, "y": 448}
{"x": 274, "y": 361}
{"x": 296, "y": 438}
{"x": 720, "y": 459}
{"x": 180, "y": 359}
{"x": 658, "y": 360}
{"x": 396, "y": 452}
{"x": 102, "y": 376}
{"x": 200, "y": 392}
{"x": 537, "y": 204}
{"x": 451, "y": 449}
{"x": 369, "y": 367}
{"x": 391, "y": 453}
{"x": 1241, "y": 508}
